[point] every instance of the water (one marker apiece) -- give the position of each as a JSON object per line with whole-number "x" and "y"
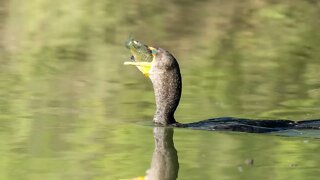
{"x": 71, "y": 110}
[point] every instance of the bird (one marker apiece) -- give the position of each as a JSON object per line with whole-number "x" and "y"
{"x": 162, "y": 68}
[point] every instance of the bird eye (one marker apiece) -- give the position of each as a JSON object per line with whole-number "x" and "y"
{"x": 154, "y": 51}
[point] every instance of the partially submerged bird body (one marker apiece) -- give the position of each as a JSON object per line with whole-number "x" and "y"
{"x": 163, "y": 70}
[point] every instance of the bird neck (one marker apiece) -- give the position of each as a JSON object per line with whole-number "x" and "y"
{"x": 167, "y": 86}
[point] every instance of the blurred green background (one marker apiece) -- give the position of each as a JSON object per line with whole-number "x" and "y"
{"x": 69, "y": 109}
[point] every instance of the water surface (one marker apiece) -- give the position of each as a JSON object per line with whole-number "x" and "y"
{"x": 71, "y": 110}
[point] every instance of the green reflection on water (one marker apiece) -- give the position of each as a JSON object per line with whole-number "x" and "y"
{"x": 67, "y": 102}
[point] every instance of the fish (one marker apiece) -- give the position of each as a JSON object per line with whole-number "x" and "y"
{"x": 142, "y": 55}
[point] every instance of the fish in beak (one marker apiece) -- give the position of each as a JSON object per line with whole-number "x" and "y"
{"x": 142, "y": 56}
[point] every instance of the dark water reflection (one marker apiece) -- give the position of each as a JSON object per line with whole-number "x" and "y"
{"x": 68, "y": 106}
{"x": 239, "y": 158}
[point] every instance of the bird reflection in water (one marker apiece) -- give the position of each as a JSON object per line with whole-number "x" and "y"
{"x": 164, "y": 163}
